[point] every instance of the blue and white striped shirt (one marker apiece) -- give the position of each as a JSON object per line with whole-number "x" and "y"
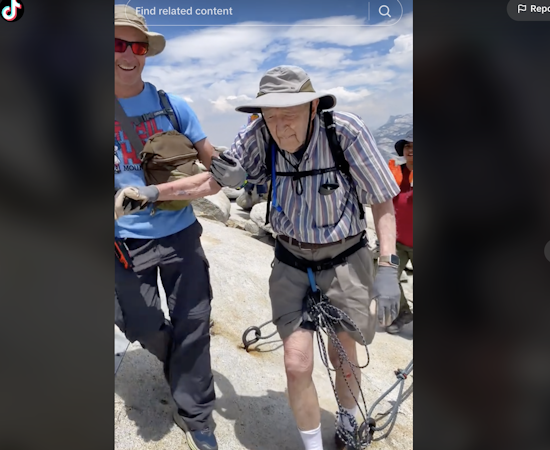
{"x": 312, "y": 217}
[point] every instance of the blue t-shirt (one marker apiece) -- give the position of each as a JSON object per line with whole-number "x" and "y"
{"x": 143, "y": 225}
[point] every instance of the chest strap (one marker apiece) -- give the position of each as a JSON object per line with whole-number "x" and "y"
{"x": 306, "y": 173}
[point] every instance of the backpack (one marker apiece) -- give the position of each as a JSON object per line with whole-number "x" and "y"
{"x": 338, "y": 156}
{"x": 166, "y": 156}
{"x": 166, "y": 110}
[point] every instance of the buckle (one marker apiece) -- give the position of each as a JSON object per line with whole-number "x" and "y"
{"x": 298, "y": 243}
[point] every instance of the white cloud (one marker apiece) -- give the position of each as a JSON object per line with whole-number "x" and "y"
{"x": 225, "y": 104}
{"x": 345, "y": 96}
{"x": 328, "y": 58}
{"x": 369, "y": 69}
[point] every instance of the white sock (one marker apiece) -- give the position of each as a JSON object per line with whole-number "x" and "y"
{"x": 313, "y": 439}
{"x": 344, "y": 420}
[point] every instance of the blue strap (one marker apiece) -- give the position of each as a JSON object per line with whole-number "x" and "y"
{"x": 311, "y": 279}
{"x": 273, "y": 180}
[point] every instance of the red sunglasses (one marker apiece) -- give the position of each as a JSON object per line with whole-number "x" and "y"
{"x": 139, "y": 48}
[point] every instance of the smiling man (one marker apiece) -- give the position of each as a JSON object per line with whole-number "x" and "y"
{"x": 163, "y": 241}
{"x": 318, "y": 215}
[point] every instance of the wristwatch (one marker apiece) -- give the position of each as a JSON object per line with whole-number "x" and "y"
{"x": 392, "y": 260}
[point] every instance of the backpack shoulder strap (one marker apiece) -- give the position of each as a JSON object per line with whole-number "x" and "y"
{"x": 337, "y": 152}
{"x": 128, "y": 127}
{"x": 269, "y": 168}
{"x": 339, "y": 157}
{"x": 268, "y": 158}
{"x": 167, "y": 108}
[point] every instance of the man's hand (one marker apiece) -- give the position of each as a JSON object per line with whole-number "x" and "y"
{"x": 227, "y": 171}
{"x": 386, "y": 290}
{"x": 132, "y": 199}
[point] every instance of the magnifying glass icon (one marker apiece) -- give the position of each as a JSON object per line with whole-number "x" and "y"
{"x": 387, "y": 13}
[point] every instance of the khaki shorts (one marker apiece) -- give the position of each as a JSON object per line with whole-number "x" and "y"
{"x": 348, "y": 286}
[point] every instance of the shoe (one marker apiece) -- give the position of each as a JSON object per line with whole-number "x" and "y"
{"x": 341, "y": 444}
{"x": 339, "y": 441}
{"x": 198, "y": 439}
{"x": 402, "y": 319}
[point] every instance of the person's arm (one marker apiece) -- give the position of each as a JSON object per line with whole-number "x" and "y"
{"x": 191, "y": 127}
{"x": 131, "y": 199}
{"x": 190, "y": 188}
{"x": 246, "y": 149}
{"x": 205, "y": 152}
{"x": 373, "y": 175}
{"x": 384, "y": 223}
{"x": 367, "y": 165}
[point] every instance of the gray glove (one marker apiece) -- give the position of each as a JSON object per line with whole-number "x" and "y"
{"x": 132, "y": 199}
{"x": 386, "y": 290}
{"x": 227, "y": 171}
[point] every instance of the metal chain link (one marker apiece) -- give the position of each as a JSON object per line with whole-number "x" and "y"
{"x": 257, "y": 330}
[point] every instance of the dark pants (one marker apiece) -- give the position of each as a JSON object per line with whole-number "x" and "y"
{"x": 405, "y": 255}
{"x": 182, "y": 344}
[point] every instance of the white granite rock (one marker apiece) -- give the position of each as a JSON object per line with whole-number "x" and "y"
{"x": 257, "y": 215}
{"x": 231, "y": 193}
{"x": 215, "y": 207}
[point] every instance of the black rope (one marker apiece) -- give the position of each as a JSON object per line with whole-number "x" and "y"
{"x": 325, "y": 316}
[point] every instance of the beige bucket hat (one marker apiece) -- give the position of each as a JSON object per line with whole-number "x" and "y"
{"x": 285, "y": 86}
{"x": 126, "y": 16}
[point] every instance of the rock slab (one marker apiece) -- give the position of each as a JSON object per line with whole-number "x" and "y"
{"x": 215, "y": 207}
{"x": 251, "y": 410}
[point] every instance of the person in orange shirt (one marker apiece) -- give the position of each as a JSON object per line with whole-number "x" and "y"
{"x": 403, "y": 204}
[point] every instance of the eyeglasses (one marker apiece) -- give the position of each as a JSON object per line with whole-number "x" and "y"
{"x": 138, "y": 48}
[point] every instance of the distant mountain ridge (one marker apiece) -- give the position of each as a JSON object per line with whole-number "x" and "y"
{"x": 388, "y": 134}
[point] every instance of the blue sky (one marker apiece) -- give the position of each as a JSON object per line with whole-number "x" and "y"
{"x": 347, "y": 48}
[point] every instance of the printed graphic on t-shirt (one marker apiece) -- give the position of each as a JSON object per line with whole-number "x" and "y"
{"x": 117, "y": 160}
{"x": 129, "y": 156}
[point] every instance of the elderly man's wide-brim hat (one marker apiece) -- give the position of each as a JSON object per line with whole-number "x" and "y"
{"x": 126, "y": 16}
{"x": 401, "y": 143}
{"x": 283, "y": 87}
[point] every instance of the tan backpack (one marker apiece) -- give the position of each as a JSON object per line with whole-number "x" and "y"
{"x": 166, "y": 156}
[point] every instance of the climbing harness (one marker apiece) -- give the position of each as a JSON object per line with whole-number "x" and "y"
{"x": 320, "y": 315}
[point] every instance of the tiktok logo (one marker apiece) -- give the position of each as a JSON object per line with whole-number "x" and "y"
{"x": 12, "y": 10}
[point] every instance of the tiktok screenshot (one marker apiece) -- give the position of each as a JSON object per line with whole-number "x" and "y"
{"x": 263, "y": 211}
{"x": 263, "y": 279}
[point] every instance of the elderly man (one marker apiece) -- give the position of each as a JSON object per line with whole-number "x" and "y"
{"x": 403, "y": 204}
{"x": 162, "y": 241}
{"x": 318, "y": 214}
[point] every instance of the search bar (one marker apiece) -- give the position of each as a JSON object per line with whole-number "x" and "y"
{"x": 385, "y": 12}
{"x": 535, "y": 11}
